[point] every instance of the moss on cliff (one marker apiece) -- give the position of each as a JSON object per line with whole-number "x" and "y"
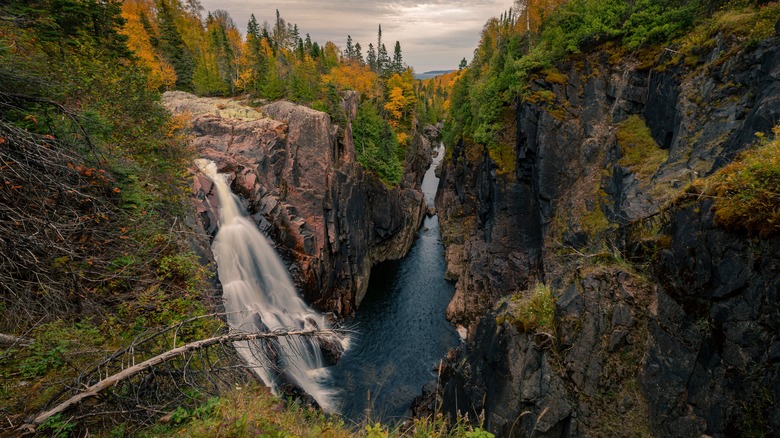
{"x": 640, "y": 152}
{"x": 747, "y": 191}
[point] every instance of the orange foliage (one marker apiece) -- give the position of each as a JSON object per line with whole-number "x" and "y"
{"x": 161, "y": 74}
{"x": 354, "y": 76}
{"x": 538, "y": 11}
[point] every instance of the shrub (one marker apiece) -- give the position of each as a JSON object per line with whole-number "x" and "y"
{"x": 532, "y": 313}
{"x": 747, "y": 191}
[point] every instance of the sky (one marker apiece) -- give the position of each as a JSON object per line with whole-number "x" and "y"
{"x": 434, "y": 35}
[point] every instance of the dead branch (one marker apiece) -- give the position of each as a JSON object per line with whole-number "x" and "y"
{"x": 14, "y": 340}
{"x": 114, "y": 379}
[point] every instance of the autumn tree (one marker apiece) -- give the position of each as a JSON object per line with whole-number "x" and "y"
{"x": 142, "y": 40}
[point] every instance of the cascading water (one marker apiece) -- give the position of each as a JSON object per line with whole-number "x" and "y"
{"x": 259, "y": 296}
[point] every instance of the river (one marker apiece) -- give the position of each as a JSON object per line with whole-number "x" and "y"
{"x": 400, "y": 328}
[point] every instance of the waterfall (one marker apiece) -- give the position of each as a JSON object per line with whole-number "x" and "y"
{"x": 259, "y": 296}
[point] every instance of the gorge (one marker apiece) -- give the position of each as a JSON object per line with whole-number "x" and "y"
{"x": 575, "y": 234}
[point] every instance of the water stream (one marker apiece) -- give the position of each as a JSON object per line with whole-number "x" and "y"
{"x": 260, "y": 296}
{"x": 401, "y": 330}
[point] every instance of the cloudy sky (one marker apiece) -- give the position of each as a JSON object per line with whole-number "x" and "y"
{"x": 434, "y": 35}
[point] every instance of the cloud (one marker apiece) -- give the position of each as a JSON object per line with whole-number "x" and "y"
{"x": 434, "y": 34}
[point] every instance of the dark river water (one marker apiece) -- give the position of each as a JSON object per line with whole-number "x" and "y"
{"x": 400, "y": 329}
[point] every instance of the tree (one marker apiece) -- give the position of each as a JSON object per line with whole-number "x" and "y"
{"x": 397, "y": 64}
{"x": 463, "y": 64}
{"x": 371, "y": 57}
{"x": 349, "y": 51}
{"x": 382, "y": 60}
{"x": 172, "y": 47}
{"x": 358, "y": 53}
{"x": 252, "y": 28}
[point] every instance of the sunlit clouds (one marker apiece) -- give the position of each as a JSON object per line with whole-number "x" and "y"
{"x": 434, "y": 35}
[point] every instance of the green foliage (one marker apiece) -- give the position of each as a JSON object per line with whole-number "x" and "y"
{"x": 747, "y": 191}
{"x": 57, "y": 426}
{"x": 508, "y": 55}
{"x": 639, "y": 151}
{"x": 532, "y": 313}
{"x": 182, "y": 267}
{"x": 52, "y": 344}
{"x": 376, "y": 431}
{"x": 376, "y": 145}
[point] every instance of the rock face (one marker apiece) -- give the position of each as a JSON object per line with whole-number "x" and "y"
{"x": 713, "y": 353}
{"x": 680, "y": 342}
{"x": 297, "y": 175}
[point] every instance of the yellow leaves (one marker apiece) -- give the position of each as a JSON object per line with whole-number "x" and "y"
{"x": 396, "y": 102}
{"x": 400, "y": 99}
{"x": 354, "y": 77}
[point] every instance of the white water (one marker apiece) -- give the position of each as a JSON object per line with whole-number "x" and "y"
{"x": 259, "y": 296}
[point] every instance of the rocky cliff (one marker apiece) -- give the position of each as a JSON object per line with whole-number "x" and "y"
{"x": 666, "y": 324}
{"x": 297, "y": 175}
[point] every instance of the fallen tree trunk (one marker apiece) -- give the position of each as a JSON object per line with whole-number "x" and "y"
{"x": 14, "y": 340}
{"x": 114, "y": 379}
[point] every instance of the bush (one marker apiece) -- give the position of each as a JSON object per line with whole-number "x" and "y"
{"x": 534, "y": 313}
{"x": 747, "y": 191}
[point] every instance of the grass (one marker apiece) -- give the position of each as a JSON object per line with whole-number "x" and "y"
{"x": 747, "y": 191}
{"x": 532, "y": 311}
{"x": 254, "y": 411}
{"x": 640, "y": 152}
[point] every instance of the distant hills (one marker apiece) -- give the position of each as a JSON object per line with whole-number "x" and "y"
{"x": 431, "y": 74}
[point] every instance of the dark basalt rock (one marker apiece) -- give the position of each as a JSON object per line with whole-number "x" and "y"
{"x": 687, "y": 345}
{"x": 710, "y": 365}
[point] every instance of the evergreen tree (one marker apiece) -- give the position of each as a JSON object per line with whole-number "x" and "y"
{"x": 397, "y": 64}
{"x": 349, "y": 51}
{"x": 463, "y": 64}
{"x": 358, "y": 53}
{"x": 382, "y": 60}
{"x": 307, "y": 45}
{"x": 371, "y": 57}
{"x": 252, "y": 28}
{"x": 172, "y": 47}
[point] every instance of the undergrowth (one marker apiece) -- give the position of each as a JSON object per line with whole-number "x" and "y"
{"x": 531, "y": 311}
{"x": 746, "y": 193}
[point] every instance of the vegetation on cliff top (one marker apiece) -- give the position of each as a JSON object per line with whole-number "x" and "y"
{"x": 181, "y": 49}
{"x": 515, "y": 48}
{"x": 746, "y": 193}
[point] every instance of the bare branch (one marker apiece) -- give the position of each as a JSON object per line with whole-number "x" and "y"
{"x": 114, "y": 379}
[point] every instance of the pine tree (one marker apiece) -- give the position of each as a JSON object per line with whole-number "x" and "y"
{"x": 349, "y": 51}
{"x": 371, "y": 57}
{"x": 397, "y": 64}
{"x": 382, "y": 60}
{"x": 252, "y": 28}
{"x": 358, "y": 53}
{"x": 172, "y": 47}
{"x": 463, "y": 64}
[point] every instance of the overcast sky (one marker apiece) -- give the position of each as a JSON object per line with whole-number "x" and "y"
{"x": 434, "y": 35}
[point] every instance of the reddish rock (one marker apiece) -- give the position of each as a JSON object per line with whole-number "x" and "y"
{"x": 299, "y": 179}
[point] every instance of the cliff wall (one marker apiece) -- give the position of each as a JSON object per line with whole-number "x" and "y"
{"x": 666, "y": 324}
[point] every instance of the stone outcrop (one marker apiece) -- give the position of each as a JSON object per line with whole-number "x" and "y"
{"x": 297, "y": 175}
{"x": 666, "y": 325}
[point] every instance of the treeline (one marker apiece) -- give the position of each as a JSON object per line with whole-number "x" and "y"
{"x": 207, "y": 55}
{"x": 534, "y": 34}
